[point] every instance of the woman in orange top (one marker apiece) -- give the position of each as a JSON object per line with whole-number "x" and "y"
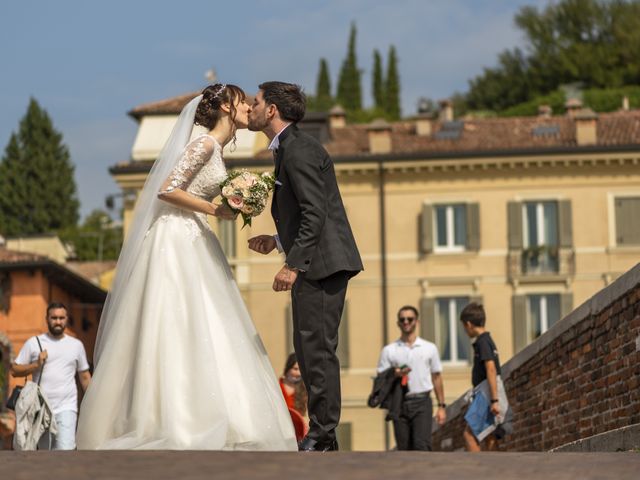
{"x": 295, "y": 394}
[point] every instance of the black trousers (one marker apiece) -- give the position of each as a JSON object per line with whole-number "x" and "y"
{"x": 317, "y": 307}
{"x": 413, "y": 428}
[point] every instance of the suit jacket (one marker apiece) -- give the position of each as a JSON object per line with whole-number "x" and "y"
{"x": 308, "y": 211}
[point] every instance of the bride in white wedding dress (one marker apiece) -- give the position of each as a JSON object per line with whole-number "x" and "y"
{"x": 178, "y": 361}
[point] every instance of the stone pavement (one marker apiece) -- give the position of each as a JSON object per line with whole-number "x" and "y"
{"x": 310, "y": 466}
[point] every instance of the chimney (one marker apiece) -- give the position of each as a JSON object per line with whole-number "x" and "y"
{"x": 573, "y": 105}
{"x": 379, "y": 136}
{"x": 625, "y": 103}
{"x": 423, "y": 124}
{"x": 586, "y": 122}
{"x": 337, "y": 117}
{"x": 545, "y": 111}
{"x": 446, "y": 110}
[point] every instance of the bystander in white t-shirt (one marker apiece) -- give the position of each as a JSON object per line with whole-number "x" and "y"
{"x": 66, "y": 357}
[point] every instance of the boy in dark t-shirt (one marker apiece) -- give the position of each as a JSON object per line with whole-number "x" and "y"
{"x": 486, "y": 365}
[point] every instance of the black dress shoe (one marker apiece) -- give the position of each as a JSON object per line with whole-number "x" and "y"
{"x": 311, "y": 445}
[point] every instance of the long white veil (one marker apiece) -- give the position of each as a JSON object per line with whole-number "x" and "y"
{"x": 146, "y": 211}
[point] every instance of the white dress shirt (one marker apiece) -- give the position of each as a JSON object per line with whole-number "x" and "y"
{"x": 422, "y": 358}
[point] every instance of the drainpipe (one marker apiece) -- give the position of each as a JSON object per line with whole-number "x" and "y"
{"x": 383, "y": 273}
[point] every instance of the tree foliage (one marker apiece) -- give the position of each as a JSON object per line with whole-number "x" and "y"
{"x": 36, "y": 179}
{"x": 349, "y": 86}
{"x": 323, "y": 99}
{"x": 96, "y": 239}
{"x": 594, "y": 42}
{"x": 392, "y": 90}
{"x": 377, "y": 84}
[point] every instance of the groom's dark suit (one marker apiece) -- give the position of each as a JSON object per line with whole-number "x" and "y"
{"x": 316, "y": 237}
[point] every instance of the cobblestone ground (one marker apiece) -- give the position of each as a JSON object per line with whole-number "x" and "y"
{"x": 312, "y": 466}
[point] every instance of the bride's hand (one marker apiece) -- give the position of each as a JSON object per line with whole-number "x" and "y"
{"x": 225, "y": 212}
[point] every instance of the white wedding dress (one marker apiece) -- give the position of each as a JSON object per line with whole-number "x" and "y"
{"x": 181, "y": 365}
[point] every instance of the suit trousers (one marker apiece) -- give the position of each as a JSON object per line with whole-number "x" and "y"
{"x": 412, "y": 429}
{"x": 317, "y": 308}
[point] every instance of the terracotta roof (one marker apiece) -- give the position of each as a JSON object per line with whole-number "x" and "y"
{"x": 14, "y": 257}
{"x": 91, "y": 270}
{"x": 479, "y": 136}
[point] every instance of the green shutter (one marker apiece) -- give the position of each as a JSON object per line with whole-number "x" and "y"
{"x": 227, "y": 237}
{"x": 519, "y": 324}
{"x": 514, "y": 217}
{"x": 343, "y": 436}
{"x": 473, "y": 227}
{"x": 428, "y": 319}
{"x": 343, "y": 337}
{"x": 426, "y": 229}
{"x": 288, "y": 329}
{"x": 565, "y": 225}
{"x": 566, "y": 304}
{"x": 627, "y": 225}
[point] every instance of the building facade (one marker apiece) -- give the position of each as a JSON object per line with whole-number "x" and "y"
{"x": 529, "y": 216}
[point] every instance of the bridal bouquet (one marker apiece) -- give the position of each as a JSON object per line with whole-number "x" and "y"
{"x": 247, "y": 192}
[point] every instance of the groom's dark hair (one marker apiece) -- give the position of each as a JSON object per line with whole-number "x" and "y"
{"x": 288, "y": 97}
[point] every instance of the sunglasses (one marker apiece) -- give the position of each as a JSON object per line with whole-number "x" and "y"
{"x": 406, "y": 319}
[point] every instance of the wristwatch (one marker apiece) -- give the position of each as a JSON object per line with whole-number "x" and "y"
{"x": 494, "y": 400}
{"x": 442, "y": 405}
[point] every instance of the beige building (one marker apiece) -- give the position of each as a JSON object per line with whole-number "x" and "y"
{"x": 530, "y": 216}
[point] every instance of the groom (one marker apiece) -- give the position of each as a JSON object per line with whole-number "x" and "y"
{"x": 321, "y": 253}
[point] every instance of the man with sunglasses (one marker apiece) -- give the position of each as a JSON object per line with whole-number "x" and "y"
{"x": 416, "y": 363}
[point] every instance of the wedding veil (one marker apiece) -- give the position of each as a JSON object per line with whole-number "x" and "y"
{"x": 147, "y": 209}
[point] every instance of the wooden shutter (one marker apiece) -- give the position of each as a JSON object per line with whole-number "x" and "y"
{"x": 288, "y": 329}
{"x": 627, "y": 224}
{"x": 473, "y": 227}
{"x": 428, "y": 319}
{"x": 343, "y": 337}
{"x": 519, "y": 323}
{"x": 566, "y": 304}
{"x": 565, "y": 225}
{"x": 514, "y": 218}
{"x": 344, "y": 437}
{"x": 426, "y": 230}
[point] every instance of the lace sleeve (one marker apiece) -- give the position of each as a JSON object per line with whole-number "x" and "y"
{"x": 194, "y": 157}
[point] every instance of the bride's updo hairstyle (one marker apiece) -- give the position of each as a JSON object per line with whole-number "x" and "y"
{"x": 213, "y": 96}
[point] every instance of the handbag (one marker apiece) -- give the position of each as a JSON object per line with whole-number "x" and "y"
{"x": 15, "y": 394}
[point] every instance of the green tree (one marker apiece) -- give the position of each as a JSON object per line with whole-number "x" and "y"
{"x": 349, "y": 88}
{"x": 378, "y": 82}
{"x": 36, "y": 178}
{"x": 594, "y": 42}
{"x": 96, "y": 239}
{"x": 392, "y": 93}
{"x": 323, "y": 99}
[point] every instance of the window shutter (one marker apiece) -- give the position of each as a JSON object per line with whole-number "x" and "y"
{"x": 288, "y": 329}
{"x": 344, "y": 437}
{"x": 565, "y": 225}
{"x": 476, "y": 299}
{"x": 566, "y": 304}
{"x": 514, "y": 217}
{"x": 473, "y": 227}
{"x": 428, "y": 318}
{"x": 343, "y": 337}
{"x": 426, "y": 229}
{"x": 627, "y": 225}
{"x": 519, "y": 324}
{"x": 227, "y": 229}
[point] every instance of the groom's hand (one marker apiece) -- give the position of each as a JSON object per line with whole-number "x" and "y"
{"x": 262, "y": 244}
{"x": 285, "y": 279}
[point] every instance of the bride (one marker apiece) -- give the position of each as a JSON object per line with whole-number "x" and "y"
{"x": 178, "y": 361}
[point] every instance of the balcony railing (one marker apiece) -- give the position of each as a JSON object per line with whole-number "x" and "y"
{"x": 540, "y": 261}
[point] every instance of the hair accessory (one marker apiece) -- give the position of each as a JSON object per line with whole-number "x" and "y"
{"x": 219, "y": 90}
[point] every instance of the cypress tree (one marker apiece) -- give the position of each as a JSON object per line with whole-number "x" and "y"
{"x": 324, "y": 101}
{"x": 392, "y": 100}
{"x": 349, "y": 89}
{"x": 378, "y": 82}
{"x": 36, "y": 178}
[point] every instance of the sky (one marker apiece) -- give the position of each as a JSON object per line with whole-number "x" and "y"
{"x": 88, "y": 63}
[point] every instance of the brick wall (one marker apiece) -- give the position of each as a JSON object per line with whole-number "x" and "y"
{"x": 580, "y": 378}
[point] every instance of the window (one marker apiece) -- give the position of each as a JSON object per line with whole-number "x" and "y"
{"x": 540, "y": 236}
{"x": 451, "y": 339}
{"x": 542, "y": 312}
{"x": 450, "y": 227}
{"x": 627, "y": 226}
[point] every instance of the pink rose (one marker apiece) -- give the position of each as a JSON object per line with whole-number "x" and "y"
{"x": 236, "y": 202}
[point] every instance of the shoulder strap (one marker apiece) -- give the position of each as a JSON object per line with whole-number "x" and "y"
{"x": 41, "y": 368}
